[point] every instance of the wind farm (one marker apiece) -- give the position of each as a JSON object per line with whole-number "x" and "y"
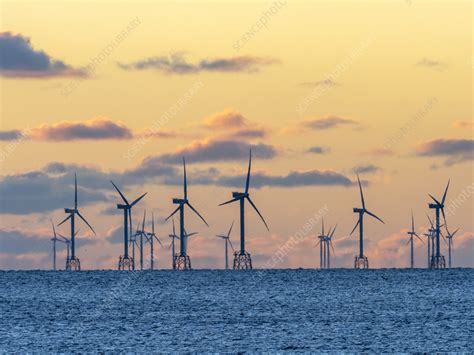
{"x": 236, "y": 177}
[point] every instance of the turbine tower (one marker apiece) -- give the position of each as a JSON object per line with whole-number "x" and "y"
{"x": 182, "y": 261}
{"x": 151, "y": 237}
{"x": 450, "y": 237}
{"x": 227, "y": 241}
{"x": 242, "y": 259}
{"x": 73, "y": 262}
{"x": 125, "y": 262}
{"x": 437, "y": 260}
{"x": 361, "y": 261}
{"x": 142, "y": 234}
{"x": 412, "y": 233}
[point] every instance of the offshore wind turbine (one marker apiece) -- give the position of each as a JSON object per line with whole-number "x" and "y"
{"x": 361, "y": 261}
{"x": 450, "y": 237}
{"x": 151, "y": 237}
{"x": 125, "y": 262}
{"x": 242, "y": 259}
{"x": 322, "y": 245}
{"x": 142, "y": 234}
{"x": 54, "y": 239}
{"x": 182, "y": 261}
{"x": 173, "y": 237}
{"x": 437, "y": 260}
{"x": 329, "y": 242}
{"x": 227, "y": 241}
{"x": 412, "y": 234}
{"x": 73, "y": 262}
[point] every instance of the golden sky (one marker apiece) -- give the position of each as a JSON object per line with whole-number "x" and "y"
{"x": 320, "y": 89}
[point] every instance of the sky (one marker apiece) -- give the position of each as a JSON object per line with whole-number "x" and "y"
{"x": 319, "y": 90}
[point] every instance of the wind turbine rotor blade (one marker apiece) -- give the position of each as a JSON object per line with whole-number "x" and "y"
{"x": 322, "y": 226}
{"x": 194, "y": 210}
{"x": 452, "y": 235}
{"x": 185, "y": 183}
{"x": 191, "y": 234}
{"x": 431, "y": 222}
{"x": 319, "y": 242}
{"x": 412, "y": 222}
{"x": 138, "y": 199}
{"x": 416, "y": 235}
{"x": 52, "y": 225}
{"x": 64, "y": 220}
{"x": 247, "y": 183}
{"x": 256, "y": 209}
{"x": 230, "y": 229}
{"x": 332, "y": 233}
{"x": 361, "y": 193}
{"x": 435, "y": 200}
{"x": 157, "y": 239}
{"x": 353, "y": 229}
{"x": 92, "y": 229}
{"x": 174, "y": 231}
{"x": 171, "y": 215}
{"x": 445, "y": 192}
{"x": 332, "y": 247}
{"x": 75, "y": 191}
{"x": 231, "y": 244}
{"x": 120, "y": 193}
{"x": 230, "y": 201}
{"x": 373, "y": 215}
{"x": 143, "y": 223}
{"x": 408, "y": 241}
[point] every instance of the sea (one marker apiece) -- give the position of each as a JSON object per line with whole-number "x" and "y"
{"x": 297, "y": 310}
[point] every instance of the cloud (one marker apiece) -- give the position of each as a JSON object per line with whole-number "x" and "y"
{"x": 94, "y": 129}
{"x": 234, "y": 124}
{"x": 218, "y": 150}
{"x": 317, "y": 150}
{"x": 10, "y": 135}
{"x": 365, "y": 169}
{"x": 320, "y": 83}
{"x": 456, "y": 150}
{"x": 18, "y": 241}
{"x": 100, "y": 128}
{"x": 261, "y": 179}
{"x": 328, "y": 122}
{"x": 48, "y": 189}
{"x": 430, "y": 63}
{"x": 18, "y": 59}
{"x": 177, "y": 64}
{"x": 464, "y": 124}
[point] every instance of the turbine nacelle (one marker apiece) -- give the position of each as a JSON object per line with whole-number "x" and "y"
{"x": 179, "y": 201}
{"x": 239, "y": 194}
{"x": 358, "y": 210}
{"x": 70, "y": 210}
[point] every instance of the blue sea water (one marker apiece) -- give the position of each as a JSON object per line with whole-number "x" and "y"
{"x": 223, "y": 311}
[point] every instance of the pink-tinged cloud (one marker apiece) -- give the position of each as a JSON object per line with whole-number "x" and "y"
{"x": 454, "y": 150}
{"x": 234, "y": 125}
{"x": 178, "y": 64}
{"x": 464, "y": 124}
{"x": 328, "y": 122}
{"x": 93, "y": 129}
{"x": 18, "y": 59}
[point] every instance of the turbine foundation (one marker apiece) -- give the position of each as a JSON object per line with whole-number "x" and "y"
{"x": 438, "y": 262}
{"x": 73, "y": 264}
{"x": 242, "y": 261}
{"x": 181, "y": 262}
{"x": 126, "y": 263}
{"x": 361, "y": 262}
